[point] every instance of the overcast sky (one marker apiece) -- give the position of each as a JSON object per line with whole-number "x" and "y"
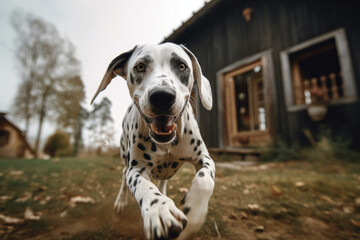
{"x": 100, "y": 30}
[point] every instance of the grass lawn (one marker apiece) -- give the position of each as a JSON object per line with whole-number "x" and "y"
{"x": 294, "y": 200}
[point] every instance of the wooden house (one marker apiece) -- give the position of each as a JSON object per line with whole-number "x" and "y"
{"x": 13, "y": 143}
{"x": 270, "y": 62}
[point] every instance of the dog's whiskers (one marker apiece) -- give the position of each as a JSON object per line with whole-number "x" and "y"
{"x": 193, "y": 103}
{"x": 146, "y": 119}
{"x": 183, "y": 109}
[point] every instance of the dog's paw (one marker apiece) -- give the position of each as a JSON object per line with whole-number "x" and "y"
{"x": 163, "y": 220}
{"x": 120, "y": 204}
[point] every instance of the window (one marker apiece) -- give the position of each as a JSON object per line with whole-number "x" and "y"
{"x": 321, "y": 64}
{"x": 316, "y": 67}
{"x": 4, "y": 138}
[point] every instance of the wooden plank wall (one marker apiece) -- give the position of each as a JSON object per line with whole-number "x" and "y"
{"x": 222, "y": 37}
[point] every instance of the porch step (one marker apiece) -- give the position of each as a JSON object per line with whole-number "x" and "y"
{"x": 236, "y": 165}
{"x": 245, "y": 154}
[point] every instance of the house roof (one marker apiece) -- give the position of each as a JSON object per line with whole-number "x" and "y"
{"x": 4, "y": 121}
{"x": 194, "y": 18}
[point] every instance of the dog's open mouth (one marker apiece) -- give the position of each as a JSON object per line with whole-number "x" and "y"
{"x": 163, "y": 125}
{"x": 162, "y": 128}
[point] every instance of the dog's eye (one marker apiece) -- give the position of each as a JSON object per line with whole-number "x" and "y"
{"x": 140, "y": 67}
{"x": 182, "y": 67}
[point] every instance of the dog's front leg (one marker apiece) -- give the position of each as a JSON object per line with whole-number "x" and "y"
{"x": 162, "y": 219}
{"x": 195, "y": 202}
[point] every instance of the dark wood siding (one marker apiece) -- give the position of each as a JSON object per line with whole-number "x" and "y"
{"x": 222, "y": 36}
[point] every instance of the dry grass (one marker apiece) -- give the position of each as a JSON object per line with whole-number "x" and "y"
{"x": 294, "y": 200}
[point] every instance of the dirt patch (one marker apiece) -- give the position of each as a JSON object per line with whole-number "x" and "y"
{"x": 315, "y": 227}
{"x": 73, "y": 227}
{"x": 255, "y": 229}
{"x": 112, "y": 226}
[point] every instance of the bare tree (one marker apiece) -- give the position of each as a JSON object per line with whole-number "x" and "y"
{"x": 28, "y": 56}
{"x": 46, "y": 60}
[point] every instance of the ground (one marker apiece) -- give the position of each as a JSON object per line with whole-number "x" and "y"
{"x": 292, "y": 200}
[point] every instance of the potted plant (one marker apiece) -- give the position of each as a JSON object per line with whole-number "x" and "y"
{"x": 317, "y": 109}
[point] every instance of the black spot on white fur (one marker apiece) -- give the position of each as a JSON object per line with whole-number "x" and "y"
{"x": 132, "y": 78}
{"x": 147, "y": 156}
{"x": 174, "y": 164}
{"x": 134, "y": 163}
{"x": 153, "y": 147}
{"x": 141, "y": 146}
{"x": 184, "y": 75}
{"x": 154, "y": 201}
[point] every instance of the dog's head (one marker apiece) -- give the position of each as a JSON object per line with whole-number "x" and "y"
{"x": 160, "y": 79}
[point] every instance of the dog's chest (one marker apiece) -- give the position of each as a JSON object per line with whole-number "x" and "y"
{"x": 159, "y": 160}
{"x": 165, "y": 168}
{"x": 162, "y": 162}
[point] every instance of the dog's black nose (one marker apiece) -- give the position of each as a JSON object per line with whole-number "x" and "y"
{"x": 162, "y": 99}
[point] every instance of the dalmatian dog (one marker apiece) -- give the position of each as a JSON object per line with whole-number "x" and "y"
{"x": 160, "y": 134}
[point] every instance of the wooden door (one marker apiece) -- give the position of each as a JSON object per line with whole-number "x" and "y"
{"x": 245, "y": 107}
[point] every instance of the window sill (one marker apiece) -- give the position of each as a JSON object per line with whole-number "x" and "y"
{"x": 296, "y": 108}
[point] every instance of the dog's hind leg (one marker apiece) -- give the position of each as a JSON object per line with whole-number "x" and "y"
{"x": 121, "y": 199}
{"x": 162, "y": 186}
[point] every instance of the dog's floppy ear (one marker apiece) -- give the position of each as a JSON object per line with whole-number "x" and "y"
{"x": 202, "y": 82}
{"x": 116, "y": 67}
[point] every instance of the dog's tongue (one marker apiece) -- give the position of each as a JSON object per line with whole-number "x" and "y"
{"x": 162, "y": 125}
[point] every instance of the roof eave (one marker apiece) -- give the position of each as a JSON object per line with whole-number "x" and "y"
{"x": 194, "y": 18}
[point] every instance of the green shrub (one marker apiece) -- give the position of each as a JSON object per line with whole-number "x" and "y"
{"x": 279, "y": 151}
{"x": 58, "y": 144}
{"x": 325, "y": 147}
{"x": 330, "y": 148}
